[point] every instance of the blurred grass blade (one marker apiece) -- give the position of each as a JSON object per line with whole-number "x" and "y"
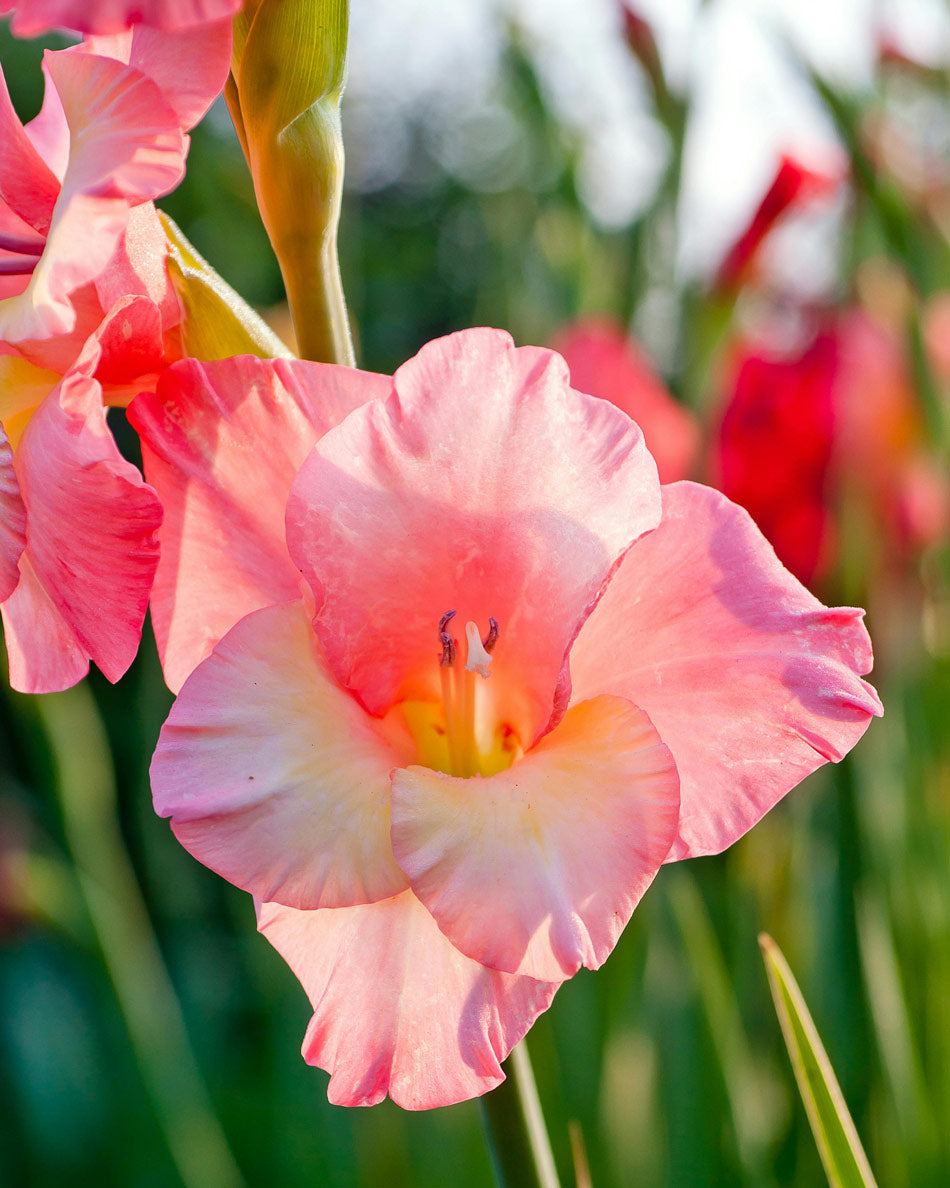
{"x": 840, "y": 1148}
{"x": 518, "y": 1143}
{"x": 85, "y": 787}
{"x": 749, "y": 1105}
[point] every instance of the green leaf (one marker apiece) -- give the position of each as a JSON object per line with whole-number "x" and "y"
{"x": 846, "y": 1165}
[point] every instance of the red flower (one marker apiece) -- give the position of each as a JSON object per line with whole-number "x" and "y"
{"x": 775, "y": 448}
{"x": 793, "y": 185}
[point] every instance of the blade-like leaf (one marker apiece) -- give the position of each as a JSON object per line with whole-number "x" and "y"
{"x": 846, "y": 1165}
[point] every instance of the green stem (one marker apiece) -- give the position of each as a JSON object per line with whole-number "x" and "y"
{"x": 317, "y": 304}
{"x": 85, "y": 786}
{"x": 514, "y": 1128}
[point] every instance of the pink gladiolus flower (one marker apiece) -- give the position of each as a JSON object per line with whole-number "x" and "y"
{"x": 520, "y": 677}
{"x": 84, "y": 294}
{"x": 33, "y": 17}
{"x": 605, "y": 362}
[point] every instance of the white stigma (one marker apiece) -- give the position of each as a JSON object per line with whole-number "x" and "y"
{"x": 477, "y": 659}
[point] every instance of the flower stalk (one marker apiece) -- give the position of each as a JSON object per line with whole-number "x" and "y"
{"x": 517, "y": 1137}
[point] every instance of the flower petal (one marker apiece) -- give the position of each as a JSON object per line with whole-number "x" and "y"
{"x": 126, "y": 146}
{"x": 91, "y": 542}
{"x": 138, "y": 267}
{"x": 43, "y": 652}
{"x": 32, "y": 17}
{"x": 274, "y": 776}
{"x": 12, "y": 520}
{"x": 536, "y": 870}
{"x": 486, "y": 485}
{"x": 26, "y": 183}
{"x": 221, "y": 443}
{"x": 189, "y": 70}
{"x": 397, "y": 1010}
{"x": 749, "y": 679}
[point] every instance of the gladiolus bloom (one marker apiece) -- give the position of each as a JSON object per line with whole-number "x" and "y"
{"x": 87, "y": 316}
{"x": 520, "y": 677}
{"x": 605, "y": 362}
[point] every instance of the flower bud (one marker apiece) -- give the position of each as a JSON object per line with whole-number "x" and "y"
{"x": 288, "y": 72}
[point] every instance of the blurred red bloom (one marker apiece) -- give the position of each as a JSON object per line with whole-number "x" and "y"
{"x": 605, "y": 362}
{"x": 774, "y": 448}
{"x": 794, "y": 184}
{"x": 837, "y": 420}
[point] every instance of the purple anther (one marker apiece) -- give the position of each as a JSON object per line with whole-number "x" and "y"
{"x": 444, "y": 622}
{"x": 491, "y": 638}
{"x": 447, "y": 658}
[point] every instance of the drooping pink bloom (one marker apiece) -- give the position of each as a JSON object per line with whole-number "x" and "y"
{"x": 794, "y": 185}
{"x": 520, "y": 677}
{"x": 605, "y": 362}
{"x": 33, "y": 17}
{"x": 87, "y": 317}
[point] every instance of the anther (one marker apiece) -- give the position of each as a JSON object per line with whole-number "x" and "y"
{"x": 447, "y": 659}
{"x": 444, "y": 621}
{"x": 488, "y": 643}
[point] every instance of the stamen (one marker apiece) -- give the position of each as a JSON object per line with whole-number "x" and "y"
{"x": 447, "y": 658}
{"x": 478, "y": 659}
{"x": 488, "y": 643}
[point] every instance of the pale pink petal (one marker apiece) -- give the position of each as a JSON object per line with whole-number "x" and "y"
{"x": 145, "y": 248}
{"x": 12, "y": 520}
{"x": 536, "y": 870}
{"x": 125, "y": 139}
{"x": 221, "y": 443}
{"x": 484, "y": 485}
{"x": 126, "y": 147}
{"x": 32, "y": 17}
{"x": 189, "y": 69}
{"x": 91, "y": 525}
{"x": 49, "y": 132}
{"x": 43, "y": 651}
{"x": 274, "y": 776}
{"x": 138, "y": 266}
{"x": 749, "y": 680}
{"x": 397, "y": 1010}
